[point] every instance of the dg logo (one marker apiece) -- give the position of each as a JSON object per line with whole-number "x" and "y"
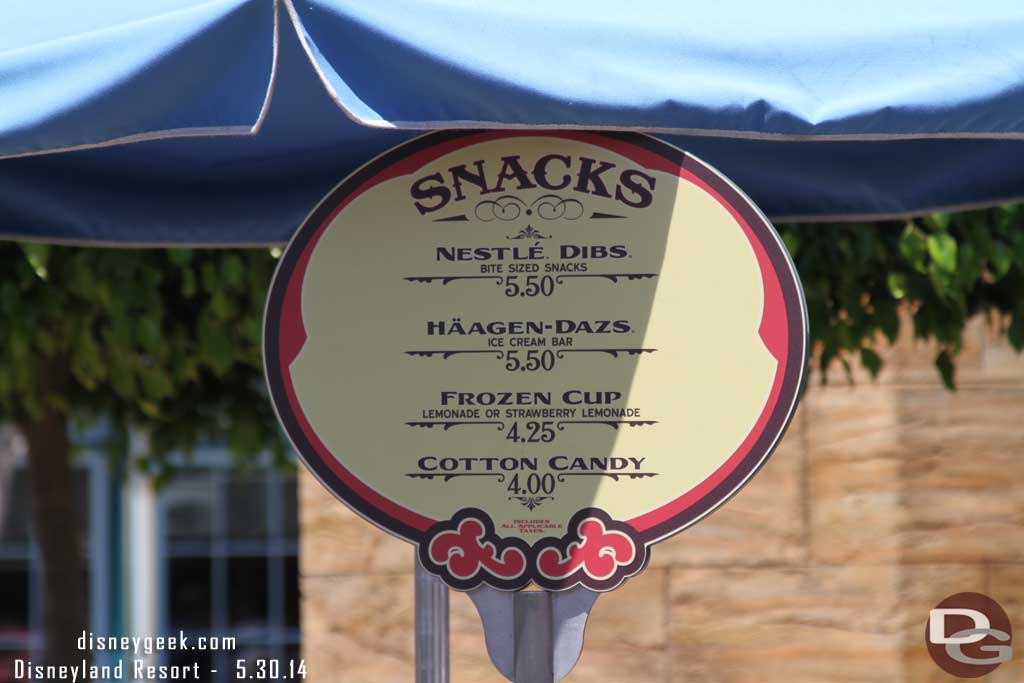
{"x": 969, "y": 635}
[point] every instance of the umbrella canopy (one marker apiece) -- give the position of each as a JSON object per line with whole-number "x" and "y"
{"x": 224, "y": 121}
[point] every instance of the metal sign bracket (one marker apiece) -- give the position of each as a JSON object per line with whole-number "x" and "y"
{"x": 534, "y": 636}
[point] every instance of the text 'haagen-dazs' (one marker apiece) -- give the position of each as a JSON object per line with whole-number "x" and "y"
{"x": 463, "y": 328}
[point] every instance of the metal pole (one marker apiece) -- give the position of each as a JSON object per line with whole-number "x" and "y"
{"x": 431, "y": 627}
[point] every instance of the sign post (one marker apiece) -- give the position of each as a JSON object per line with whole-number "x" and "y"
{"x": 534, "y": 355}
{"x": 431, "y": 601}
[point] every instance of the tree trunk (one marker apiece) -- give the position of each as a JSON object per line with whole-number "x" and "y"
{"x": 57, "y": 528}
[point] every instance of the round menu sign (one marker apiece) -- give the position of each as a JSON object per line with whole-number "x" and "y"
{"x": 535, "y": 354}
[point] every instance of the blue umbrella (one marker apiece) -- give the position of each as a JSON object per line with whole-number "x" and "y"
{"x": 224, "y": 121}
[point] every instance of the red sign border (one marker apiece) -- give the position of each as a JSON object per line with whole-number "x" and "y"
{"x": 284, "y": 335}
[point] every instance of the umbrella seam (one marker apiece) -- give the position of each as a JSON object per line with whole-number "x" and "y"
{"x": 242, "y": 131}
{"x": 300, "y": 32}
{"x": 694, "y": 132}
{"x": 382, "y": 123}
{"x": 272, "y": 83}
{"x": 177, "y": 133}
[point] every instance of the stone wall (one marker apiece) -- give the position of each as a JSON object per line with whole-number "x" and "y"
{"x": 884, "y": 498}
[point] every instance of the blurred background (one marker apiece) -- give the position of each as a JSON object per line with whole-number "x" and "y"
{"x": 214, "y": 551}
{"x": 145, "y": 487}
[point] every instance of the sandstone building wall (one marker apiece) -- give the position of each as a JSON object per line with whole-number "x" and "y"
{"x": 884, "y": 498}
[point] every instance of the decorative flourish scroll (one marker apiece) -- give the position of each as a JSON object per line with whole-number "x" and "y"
{"x": 503, "y": 281}
{"x": 467, "y": 552}
{"x": 614, "y": 476}
{"x": 614, "y": 424}
{"x": 448, "y": 476}
{"x": 445, "y": 354}
{"x": 448, "y": 424}
{"x": 613, "y": 277}
{"x": 531, "y": 502}
{"x": 598, "y": 553}
{"x": 528, "y": 233}
{"x": 614, "y": 353}
{"x": 448, "y": 353}
{"x": 445, "y": 279}
{"x": 548, "y": 207}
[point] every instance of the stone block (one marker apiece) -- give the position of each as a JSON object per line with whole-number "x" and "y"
{"x": 767, "y": 625}
{"x": 922, "y": 588}
{"x": 854, "y": 462}
{"x": 961, "y": 475}
{"x": 916, "y": 474}
{"x": 358, "y": 629}
{"x": 337, "y": 542}
{"x": 1006, "y": 586}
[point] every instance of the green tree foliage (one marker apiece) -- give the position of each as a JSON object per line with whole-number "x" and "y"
{"x": 945, "y": 268}
{"x": 168, "y": 341}
{"x": 164, "y": 340}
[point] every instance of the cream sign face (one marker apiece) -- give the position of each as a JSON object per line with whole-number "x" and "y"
{"x": 535, "y": 354}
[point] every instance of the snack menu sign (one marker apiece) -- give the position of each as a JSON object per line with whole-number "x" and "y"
{"x": 535, "y": 354}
